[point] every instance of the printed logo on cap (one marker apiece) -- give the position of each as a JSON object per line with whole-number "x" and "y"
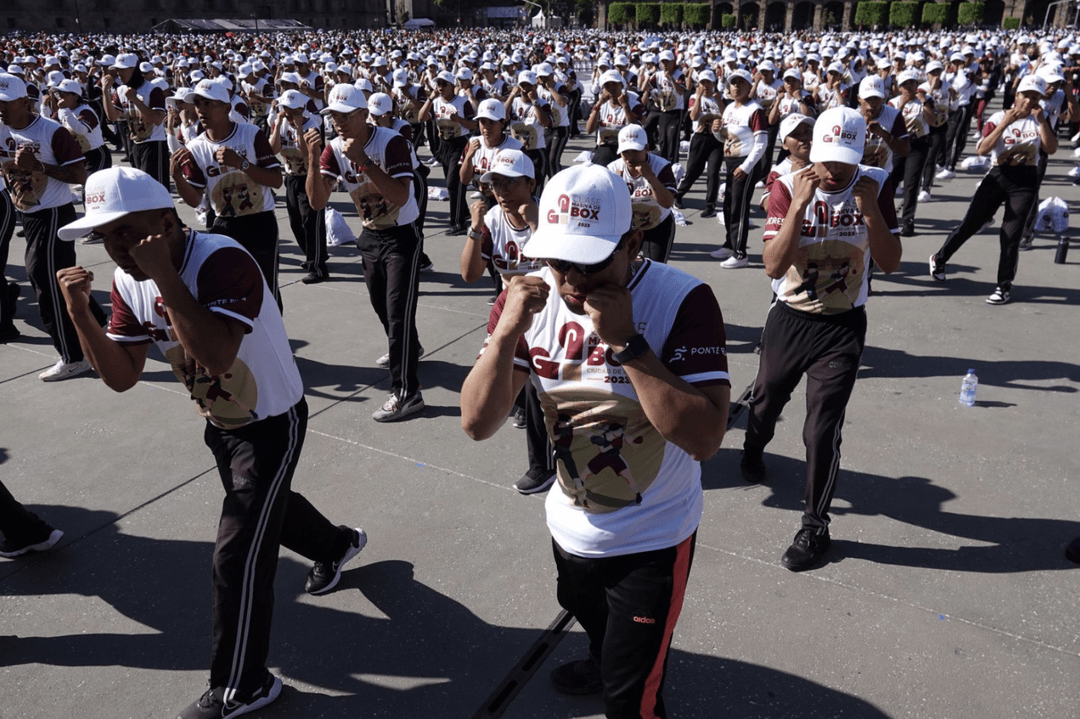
{"x": 839, "y": 135}
{"x": 581, "y": 209}
{"x": 95, "y": 200}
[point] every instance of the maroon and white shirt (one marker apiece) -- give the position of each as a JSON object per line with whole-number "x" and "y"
{"x": 648, "y": 213}
{"x": 263, "y": 381}
{"x": 153, "y": 97}
{"x": 233, "y": 192}
{"x": 607, "y": 452}
{"x": 613, "y": 117}
{"x": 829, "y": 272}
{"x": 315, "y": 81}
{"x": 291, "y": 155}
{"x": 444, "y": 112}
{"x": 525, "y": 125}
{"x": 766, "y": 93}
{"x": 790, "y": 105}
{"x": 484, "y": 157}
{"x": 501, "y": 242}
{"x": 876, "y": 153}
{"x": 52, "y": 145}
{"x": 738, "y": 125}
{"x": 391, "y": 152}
{"x": 709, "y": 106}
{"x": 83, "y": 124}
{"x": 1019, "y": 144}
{"x": 914, "y": 117}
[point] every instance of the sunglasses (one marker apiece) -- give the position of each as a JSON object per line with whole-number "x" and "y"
{"x": 563, "y": 267}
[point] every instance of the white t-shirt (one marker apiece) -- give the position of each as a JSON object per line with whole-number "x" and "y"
{"x": 607, "y": 452}
{"x": 648, "y": 213}
{"x": 502, "y": 243}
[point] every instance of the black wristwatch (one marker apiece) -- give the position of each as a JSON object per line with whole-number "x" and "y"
{"x": 636, "y": 348}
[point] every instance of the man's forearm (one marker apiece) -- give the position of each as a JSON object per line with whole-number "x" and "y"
{"x": 206, "y": 337}
{"x": 108, "y": 358}
{"x": 488, "y": 392}
{"x": 780, "y": 252}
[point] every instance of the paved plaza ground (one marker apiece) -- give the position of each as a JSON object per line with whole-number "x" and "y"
{"x": 946, "y": 596}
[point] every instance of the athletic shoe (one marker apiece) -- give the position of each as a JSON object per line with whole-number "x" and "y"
{"x": 12, "y": 549}
{"x": 709, "y": 212}
{"x": 395, "y": 408}
{"x": 899, "y": 192}
{"x": 427, "y": 267}
{"x": 937, "y": 269}
{"x": 806, "y": 550}
{"x": 734, "y": 263}
{"x": 519, "y": 418}
{"x": 1000, "y": 296}
{"x": 721, "y": 253}
{"x": 492, "y": 300}
{"x": 759, "y": 184}
{"x": 9, "y": 333}
{"x": 314, "y": 278}
{"x": 324, "y": 576}
{"x": 64, "y": 370}
{"x": 384, "y": 361}
{"x": 92, "y": 239}
{"x": 945, "y": 174}
{"x": 908, "y": 231}
{"x": 678, "y": 204}
{"x": 535, "y": 480}
{"x": 752, "y": 465}
{"x": 1072, "y": 552}
{"x": 212, "y": 706}
{"x": 924, "y": 196}
{"x": 456, "y": 231}
{"x": 577, "y": 678}
{"x": 1026, "y": 243}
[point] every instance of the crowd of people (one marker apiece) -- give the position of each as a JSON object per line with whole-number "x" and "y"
{"x": 612, "y": 361}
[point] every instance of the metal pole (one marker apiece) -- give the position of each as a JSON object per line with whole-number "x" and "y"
{"x": 1046, "y": 18}
{"x": 78, "y": 20}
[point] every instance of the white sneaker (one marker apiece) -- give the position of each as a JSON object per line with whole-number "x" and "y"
{"x": 64, "y": 370}
{"x": 899, "y": 191}
{"x": 945, "y": 174}
{"x": 384, "y": 361}
{"x": 734, "y": 263}
{"x": 721, "y": 253}
{"x": 924, "y": 196}
{"x": 759, "y": 184}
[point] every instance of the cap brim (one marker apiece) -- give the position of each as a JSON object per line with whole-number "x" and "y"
{"x": 85, "y": 225}
{"x": 489, "y": 116}
{"x": 827, "y": 152}
{"x": 624, "y": 146}
{"x": 551, "y": 243}
{"x": 338, "y": 107}
{"x": 488, "y": 176}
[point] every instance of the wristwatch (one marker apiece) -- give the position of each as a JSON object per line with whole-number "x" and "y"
{"x": 636, "y": 348}
{"x": 475, "y": 234}
{"x": 244, "y": 166}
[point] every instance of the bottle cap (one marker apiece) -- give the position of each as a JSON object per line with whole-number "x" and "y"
{"x": 971, "y": 371}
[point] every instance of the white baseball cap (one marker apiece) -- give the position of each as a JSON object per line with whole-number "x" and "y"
{"x": 510, "y": 163}
{"x": 345, "y": 98}
{"x": 741, "y": 74}
{"x": 789, "y": 123}
{"x": 792, "y": 73}
{"x": 292, "y": 99}
{"x": 379, "y": 104}
{"x": 11, "y": 87}
{"x": 526, "y": 76}
{"x": 839, "y": 136}
{"x": 209, "y": 89}
{"x": 934, "y": 66}
{"x": 126, "y": 60}
{"x": 872, "y": 86}
{"x": 907, "y": 75}
{"x": 1032, "y": 82}
{"x": 491, "y": 109}
{"x": 584, "y": 212}
{"x": 611, "y": 76}
{"x": 632, "y": 137}
{"x": 113, "y": 193}
{"x": 401, "y": 77}
{"x": 447, "y": 77}
{"x": 69, "y": 86}
{"x": 707, "y": 75}
{"x": 464, "y": 74}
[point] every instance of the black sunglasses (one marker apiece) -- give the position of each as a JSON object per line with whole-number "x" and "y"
{"x": 563, "y": 267}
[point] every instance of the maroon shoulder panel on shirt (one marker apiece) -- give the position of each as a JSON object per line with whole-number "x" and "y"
{"x": 899, "y": 127}
{"x": 667, "y": 177}
{"x": 779, "y": 204}
{"x": 123, "y": 321}
{"x": 264, "y": 154}
{"x": 156, "y": 100}
{"x": 487, "y": 244}
{"x": 521, "y": 351}
{"x": 887, "y": 205}
{"x": 193, "y": 173}
{"x": 697, "y": 343}
{"x": 328, "y": 162}
{"x": 759, "y": 121}
{"x": 64, "y": 147}
{"x": 397, "y": 157}
{"x": 230, "y": 280}
{"x": 88, "y": 118}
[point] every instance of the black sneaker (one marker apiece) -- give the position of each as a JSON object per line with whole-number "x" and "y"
{"x": 937, "y": 268}
{"x": 519, "y": 418}
{"x": 752, "y": 465}
{"x": 709, "y": 212}
{"x": 535, "y": 480}
{"x": 212, "y": 706}
{"x": 1000, "y": 296}
{"x": 396, "y": 408}
{"x": 427, "y": 266}
{"x": 1072, "y": 552}
{"x": 1026, "y": 243}
{"x": 806, "y": 550}
{"x": 9, "y": 333}
{"x": 908, "y": 231}
{"x": 324, "y": 576}
{"x": 577, "y": 678}
{"x": 456, "y": 231}
{"x": 12, "y": 549}
{"x": 314, "y": 278}
{"x": 678, "y": 204}
{"x": 492, "y": 300}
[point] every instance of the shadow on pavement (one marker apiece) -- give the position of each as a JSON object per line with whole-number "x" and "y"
{"x": 1015, "y": 374}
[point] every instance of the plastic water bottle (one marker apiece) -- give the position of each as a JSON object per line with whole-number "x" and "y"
{"x": 968, "y": 388}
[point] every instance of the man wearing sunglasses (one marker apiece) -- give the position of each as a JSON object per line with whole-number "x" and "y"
{"x": 628, "y": 358}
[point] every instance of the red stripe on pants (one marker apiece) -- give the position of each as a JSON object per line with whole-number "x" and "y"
{"x": 680, "y": 574}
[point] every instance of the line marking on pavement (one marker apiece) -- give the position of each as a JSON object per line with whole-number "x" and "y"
{"x": 408, "y": 459}
{"x": 499, "y": 701}
{"x": 881, "y": 595}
